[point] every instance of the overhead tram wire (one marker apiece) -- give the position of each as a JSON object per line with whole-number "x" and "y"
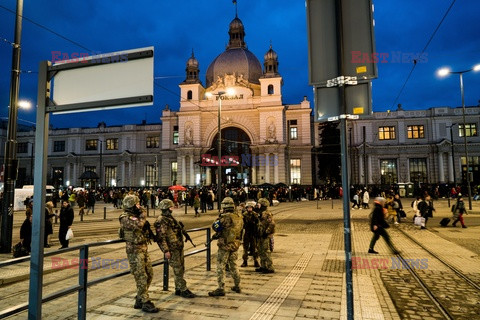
{"x": 425, "y": 48}
{"x": 47, "y": 29}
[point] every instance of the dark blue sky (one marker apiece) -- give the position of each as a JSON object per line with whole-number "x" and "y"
{"x": 175, "y": 27}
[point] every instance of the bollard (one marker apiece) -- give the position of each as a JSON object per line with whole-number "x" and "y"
{"x": 104, "y": 213}
{"x": 81, "y": 216}
{"x": 332, "y": 203}
{"x": 165, "y": 274}
{"x": 56, "y": 216}
{"x": 448, "y": 201}
{"x": 185, "y": 207}
{"x": 148, "y": 212}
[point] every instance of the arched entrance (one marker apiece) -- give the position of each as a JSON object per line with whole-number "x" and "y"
{"x": 236, "y": 170}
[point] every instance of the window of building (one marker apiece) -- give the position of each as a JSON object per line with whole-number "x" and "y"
{"x": 388, "y": 171}
{"x": 386, "y": 133}
{"x": 150, "y": 175}
{"x": 474, "y": 168}
{"x": 418, "y": 170}
{"x": 270, "y": 89}
{"x": 189, "y": 95}
{"x": 295, "y": 171}
{"x": 293, "y": 133}
{"x": 90, "y": 168}
{"x": 57, "y": 176}
{"x": 415, "y": 132}
{"x": 153, "y": 142}
{"x": 112, "y": 144}
{"x": 22, "y": 147}
{"x": 174, "y": 170}
{"x": 59, "y": 146}
{"x": 175, "y": 134}
{"x": 111, "y": 176}
{"x": 470, "y": 130}
{"x": 91, "y": 144}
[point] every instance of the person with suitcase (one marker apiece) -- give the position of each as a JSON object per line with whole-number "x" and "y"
{"x": 458, "y": 212}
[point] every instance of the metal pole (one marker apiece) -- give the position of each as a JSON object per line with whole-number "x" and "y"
{"x": 31, "y": 163}
{"x": 365, "y": 172}
{"x": 453, "y": 157}
{"x": 11, "y": 162}
{"x": 101, "y": 161}
{"x": 467, "y": 175}
{"x": 219, "y": 146}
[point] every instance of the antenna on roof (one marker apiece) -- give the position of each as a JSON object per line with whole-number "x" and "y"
{"x": 236, "y": 11}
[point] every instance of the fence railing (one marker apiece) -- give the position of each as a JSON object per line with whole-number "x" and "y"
{"x": 83, "y": 283}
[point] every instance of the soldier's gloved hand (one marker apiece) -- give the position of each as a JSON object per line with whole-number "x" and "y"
{"x": 168, "y": 255}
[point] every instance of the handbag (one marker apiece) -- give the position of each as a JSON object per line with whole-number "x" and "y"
{"x": 19, "y": 250}
{"x": 69, "y": 234}
{"x": 420, "y": 221}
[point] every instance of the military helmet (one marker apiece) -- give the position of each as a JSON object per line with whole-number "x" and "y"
{"x": 130, "y": 201}
{"x": 217, "y": 226}
{"x": 250, "y": 204}
{"x": 228, "y": 203}
{"x": 166, "y": 204}
{"x": 264, "y": 202}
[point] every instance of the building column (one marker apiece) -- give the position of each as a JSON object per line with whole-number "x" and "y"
{"x": 450, "y": 168}
{"x": 441, "y": 173}
{"x": 275, "y": 168}
{"x": 208, "y": 176}
{"x": 184, "y": 172}
{"x": 123, "y": 174}
{"x": 370, "y": 172}
{"x": 192, "y": 172}
{"x": 267, "y": 167}
{"x": 361, "y": 172}
{"x": 253, "y": 174}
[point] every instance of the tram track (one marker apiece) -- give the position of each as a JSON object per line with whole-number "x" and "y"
{"x": 433, "y": 290}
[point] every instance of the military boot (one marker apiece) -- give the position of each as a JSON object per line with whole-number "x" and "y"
{"x": 138, "y": 303}
{"x": 244, "y": 264}
{"x": 178, "y": 292}
{"x": 256, "y": 264}
{"x": 260, "y": 269}
{"x": 149, "y": 307}
{"x": 187, "y": 294}
{"x": 237, "y": 289}
{"x": 217, "y": 293}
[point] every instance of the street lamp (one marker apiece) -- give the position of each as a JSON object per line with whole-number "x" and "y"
{"x": 453, "y": 155}
{"x": 219, "y": 94}
{"x": 443, "y": 73}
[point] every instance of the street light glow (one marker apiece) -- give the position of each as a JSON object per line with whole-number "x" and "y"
{"x": 24, "y": 104}
{"x": 443, "y": 72}
{"x": 476, "y": 67}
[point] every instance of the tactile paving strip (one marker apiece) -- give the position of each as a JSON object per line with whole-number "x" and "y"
{"x": 268, "y": 309}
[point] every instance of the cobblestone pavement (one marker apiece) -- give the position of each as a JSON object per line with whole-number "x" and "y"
{"x": 309, "y": 282}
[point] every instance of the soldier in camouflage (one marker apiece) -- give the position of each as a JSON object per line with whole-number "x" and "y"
{"x": 133, "y": 228}
{"x": 250, "y": 220}
{"x": 228, "y": 228}
{"x": 170, "y": 240}
{"x": 266, "y": 229}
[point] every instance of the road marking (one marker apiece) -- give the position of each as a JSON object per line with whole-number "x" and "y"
{"x": 268, "y": 309}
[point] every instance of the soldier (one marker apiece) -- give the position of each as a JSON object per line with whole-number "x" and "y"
{"x": 228, "y": 228}
{"x": 134, "y": 229}
{"x": 170, "y": 240}
{"x": 250, "y": 220}
{"x": 266, "y": 229}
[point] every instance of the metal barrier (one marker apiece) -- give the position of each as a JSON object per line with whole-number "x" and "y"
{"x": 83, "y": 282}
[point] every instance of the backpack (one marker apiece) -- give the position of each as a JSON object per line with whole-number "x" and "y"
{"x": 454, "y": 208}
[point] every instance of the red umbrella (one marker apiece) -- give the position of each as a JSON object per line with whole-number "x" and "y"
{"x": 177, "y": 188}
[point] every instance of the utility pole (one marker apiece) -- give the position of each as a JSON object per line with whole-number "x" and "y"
{"x": 11, "y": 162}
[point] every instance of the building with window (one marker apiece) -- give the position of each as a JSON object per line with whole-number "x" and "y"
{"x": 420, "y": 146}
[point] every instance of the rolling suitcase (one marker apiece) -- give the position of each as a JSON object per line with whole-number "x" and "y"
{"x": 444, "y": 222}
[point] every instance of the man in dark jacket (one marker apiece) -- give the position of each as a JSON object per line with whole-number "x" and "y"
{"x": 378, "y": 226}
{"x": 66, "y": 220}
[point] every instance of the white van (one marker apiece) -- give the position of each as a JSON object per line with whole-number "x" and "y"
{"x": 27, "y": 192}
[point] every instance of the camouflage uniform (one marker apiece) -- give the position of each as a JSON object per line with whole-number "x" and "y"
{"x": 132, "y": 222}
{"x": 229, "y": 239}
{"x": 170, "y": 239}
{"x": 266, "y": 229}
{"x": 250, "y": 220}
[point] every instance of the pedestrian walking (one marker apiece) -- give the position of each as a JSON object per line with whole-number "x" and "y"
{"x": 426, "y": 209}
{"x": 458, "y": 212}
{"x": 250, "y": 222}
{"x": 378, "y": 226}
{"x": 365, "y": 199}
{"x": 134, "y": 229}
{"x": 170, "y": 240}
{"x": 228, "y": 230}
{"x": 66, "y": 221}
{"x": 196, "y": 205}
{"x": 48, "y": 224}
{"x": 265, "y": 231}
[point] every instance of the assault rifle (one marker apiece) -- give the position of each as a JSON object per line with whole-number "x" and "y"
{"x": 214, "y": 237}
{"x": 187, "y": 236}
{"x": 151, "y": 235}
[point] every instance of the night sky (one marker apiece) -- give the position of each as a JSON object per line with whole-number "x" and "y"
{"x": 174, "y": 28}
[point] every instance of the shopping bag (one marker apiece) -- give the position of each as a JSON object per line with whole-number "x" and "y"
{"x": 19, "y": 250}
{"x": 420, "y": 221}
{"x": 69, "y": 234}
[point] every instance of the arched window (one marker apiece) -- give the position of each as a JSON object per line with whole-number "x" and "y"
{"x": 189, "y": 95}
{"x": 270, "y": 89}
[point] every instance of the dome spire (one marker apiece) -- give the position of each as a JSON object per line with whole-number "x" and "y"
{"x": 192, "y": 70}
{"x": 270, "y": 63}
{"x": 236, "y": 32}
{"x": 236, "y": 8}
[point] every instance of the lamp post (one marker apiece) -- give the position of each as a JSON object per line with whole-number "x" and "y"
{"x": 442, "y": 73}
{"x": 10, "y": 162}
{"x": 453, "y": 155}
{"x": 219, "y": 94}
